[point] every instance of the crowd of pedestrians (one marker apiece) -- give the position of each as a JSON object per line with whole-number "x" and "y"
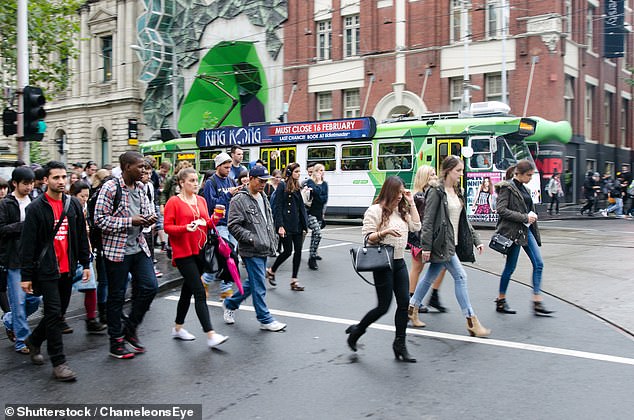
{"x": 95, "y": 230}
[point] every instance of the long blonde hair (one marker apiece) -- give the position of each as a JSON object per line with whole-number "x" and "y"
{"x": 422, "y": 178}
{"x": 317, "y": 167}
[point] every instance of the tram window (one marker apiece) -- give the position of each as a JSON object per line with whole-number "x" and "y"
{"x": 356, "y": 157}
{"x": 324, "y": 155}
{"x": 206, "y": 160}
{"x": 482, "y": 157}
{"x": 395, "y": 156}
{"x": 504, "y": 157}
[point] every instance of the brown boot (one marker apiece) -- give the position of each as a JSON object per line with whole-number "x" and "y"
{"x": 475, "y": 328}
{"x": 412, "y": 314}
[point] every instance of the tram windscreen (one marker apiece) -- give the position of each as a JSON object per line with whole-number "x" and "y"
{"x": 509, "y": 153}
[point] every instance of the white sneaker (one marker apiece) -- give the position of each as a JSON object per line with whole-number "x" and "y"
{"x": 216, "y": 340}
{"x": 273, "y": 326}
{"x": 228, "y": 315}
{"x": 183, "y": 334}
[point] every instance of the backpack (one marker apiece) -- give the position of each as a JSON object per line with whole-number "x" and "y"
{"x": 95, "y": 231}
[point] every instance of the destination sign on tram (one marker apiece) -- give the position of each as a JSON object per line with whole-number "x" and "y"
{"x": 310, "y": 131}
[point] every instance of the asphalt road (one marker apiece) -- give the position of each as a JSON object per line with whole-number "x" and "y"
{"x": 572, "y": 365}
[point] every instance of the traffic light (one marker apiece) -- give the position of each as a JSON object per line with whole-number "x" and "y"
{"x": 9, "y": 122}
{"x": 34, "y": 113}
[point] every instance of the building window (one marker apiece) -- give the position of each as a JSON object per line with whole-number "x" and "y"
{"x": 609, "y": 168}
{"x": 568, "y": 17}
{"x": 569, "y": 98}
{"x": 351, "y": 103}
{"x": 588, "y": 111}
{"x": 324, "y": 106}
{"x": 493, "y": 87}
{"x": 351, "y": 29}
{"x": 457, "y": 33}
{"x": 496, "y": 19}
{"x": 589, "y": 27}
{"x": 324, "y": 39}
{"x": 456, "y": 92}
{"x": 625, "y": 112}
{"x": 607, "y": 118}
{"x": 591, "y": 165}
{"x": 106, "y": 55}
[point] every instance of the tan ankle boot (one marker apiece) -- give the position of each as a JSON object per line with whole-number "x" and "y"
{"x": 412, "y": 314}
{"x": 475, "y": 328}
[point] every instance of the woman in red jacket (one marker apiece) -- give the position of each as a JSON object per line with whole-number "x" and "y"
{"x": 186, "y": 223}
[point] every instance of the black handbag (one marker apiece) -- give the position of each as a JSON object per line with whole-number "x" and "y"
{"x": 210, "y": 253}
{"x": 500, "y": 243}
{"x": 371, "y": 258}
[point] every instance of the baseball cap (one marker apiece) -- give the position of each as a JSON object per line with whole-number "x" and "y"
{"x": 221, "y": 158}
{"x": 260, "y": 172}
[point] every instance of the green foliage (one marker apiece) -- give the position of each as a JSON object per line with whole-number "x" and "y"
{"x": 53, "y": 35}
{"x": 209, "y": 120}
{"x": 37, "y": 153}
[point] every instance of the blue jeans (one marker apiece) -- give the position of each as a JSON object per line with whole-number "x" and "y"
{"x": 532, "y": 250}
{"x": 223, "y": 231}
{"x": 22, "y": 306}
{"x": 144, "y": 288}
{"x": 617, "y": 207}
{"x": 102, "y": 279}
{"x": 256, "y": 267}
{"x": 460, "y": 284}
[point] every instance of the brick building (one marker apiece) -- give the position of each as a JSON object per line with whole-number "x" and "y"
{"x": 344, "y": 58}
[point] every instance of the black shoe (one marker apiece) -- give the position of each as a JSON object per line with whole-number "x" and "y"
{"x": 540, "y": 309}
{"x": 400, "y": 351}
{"x": 353, "y": 336}
{"x": 317, "y": 257}
{"x": 502, "y": 307}
{"x": 118, "y": 349}
{"x": 133, "y": 341}
{"x": 34, "y": 352}
{"x": 434, "y": 301}
{"x": 312, "y": 263}
{"x": 94, "y": 326}
{"x": 64, "y": 327}
{"x": 422, "y": 309}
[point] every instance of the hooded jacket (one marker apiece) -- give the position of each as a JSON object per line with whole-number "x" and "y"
{"x": 512, "y": 214}
{"x": 438, "y": 233}
{"x": 10, "y": 230}
{"x": 253, "y": 230}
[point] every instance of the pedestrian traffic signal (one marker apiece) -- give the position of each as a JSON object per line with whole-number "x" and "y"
{"x": 9, "y": 122}
{"x": 34, "y": 113}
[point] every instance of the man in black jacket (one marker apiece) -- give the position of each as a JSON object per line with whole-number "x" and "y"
{"x": 48, "y": 261}
{"x": 12, "y": 213}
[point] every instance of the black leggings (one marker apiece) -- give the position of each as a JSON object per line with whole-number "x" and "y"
{"x": 290, "y": 241}
{"x": 191, "y": 269}
{"x": 386, "y": 282}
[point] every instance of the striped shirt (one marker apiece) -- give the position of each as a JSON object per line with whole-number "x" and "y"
{"x": 114, "y": 223}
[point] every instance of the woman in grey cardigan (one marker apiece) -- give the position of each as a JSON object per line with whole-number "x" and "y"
{"x": 447, "y": 239}
{"x": 518, "y": 222}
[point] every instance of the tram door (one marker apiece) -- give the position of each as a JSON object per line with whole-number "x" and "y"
{"x": 278, "y": 157}
{"x": 446, "y": 147}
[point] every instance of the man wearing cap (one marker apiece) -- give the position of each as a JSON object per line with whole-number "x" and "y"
{"x": 251, "y": 222}
{"x": 219, "y": 189}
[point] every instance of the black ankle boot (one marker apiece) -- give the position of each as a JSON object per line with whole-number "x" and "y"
{"x": 400, "y": 350}
{"x": 434, "y": 301}
{"x": 540, "y": 309}
{"x": 312, "y": 263}
{"x": 502, "y": 307}
{"x": 353, "y": 336}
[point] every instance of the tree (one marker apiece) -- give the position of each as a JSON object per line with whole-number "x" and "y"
{"x": 53, "y": 40}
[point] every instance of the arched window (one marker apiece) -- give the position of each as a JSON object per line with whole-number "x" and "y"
{"x": 60, "y": 145}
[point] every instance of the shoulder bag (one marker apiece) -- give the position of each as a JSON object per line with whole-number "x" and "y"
{"x": 371, "y": 258}
{"x": 500, "y": 243}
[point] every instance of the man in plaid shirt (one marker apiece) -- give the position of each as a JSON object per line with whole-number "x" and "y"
{"x": 126, "y": 252}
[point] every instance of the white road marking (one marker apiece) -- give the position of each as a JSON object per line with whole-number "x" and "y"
{"x": 446, "y": 336}
{"x": 329, "y": 246}
{"x": 342, "y": 228}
